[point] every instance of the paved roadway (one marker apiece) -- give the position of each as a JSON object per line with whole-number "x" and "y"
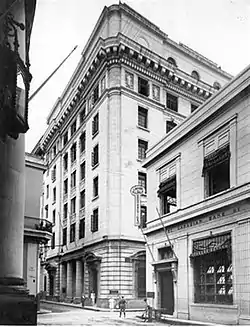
{"x": 88, "y": 318}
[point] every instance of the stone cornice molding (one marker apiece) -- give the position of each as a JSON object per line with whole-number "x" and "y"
{"x": 211, "y": 107}
{"x": 117, "y": 53}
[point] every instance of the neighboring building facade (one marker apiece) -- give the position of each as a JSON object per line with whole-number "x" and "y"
{"x": 37, "y": 231}
{"x": 199, "y": 178}
{"x": 132, "y": 86}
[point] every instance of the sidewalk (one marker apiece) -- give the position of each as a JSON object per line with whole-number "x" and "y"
{"x": 93, "y": 308}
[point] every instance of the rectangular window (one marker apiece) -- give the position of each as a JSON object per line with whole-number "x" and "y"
{"x": 143, "y": 86}
{"x": 143, "y": 117}
{"x": 82, "y": 115}
{"x": 53, "y": 241}
{"x": 82, "y": 228}
{"x": 142, "y": 180}
{"x": 172, "y": 102}
{"x": 83, "y": 170}
{"x": 95, "y": 124}
{"x": 169, "y": 126}
{"x": 83, "y": 142}
{"x": 54, "y": 194}
{"x": 216, "y": 170}
{"x": 72, "y": 236}
{"x": 47, "y": 191}
{"x": 193, "y": 107}
{"x": 82, "y": 199}
{"x": 142, "y": 148}
{"x": 212, "y": 262}
{"x": 54, "y": 217}
{"x": 54, "y": 151}
{"x": 95, "y": 156}
{"x": 65, "y": 211}
{"x": 73, "y": 179}
{"x": 65, "y": 236}
{"x": 65, "y": 187}
{"x": 73, "y": 128}
{"x": 167, "y": 189}
{"x": 46, "y": 211}
{"x": 95, "y": 94}
{"x": 65, "y": 162}
{"x": 73, "y": 206}
{"x": 53, "y": 174}
{"x": 94, "y": 221}
{"x": 95, "y": 187}
{"x": 73, "y": 153}
{"x": 143, "y": 222}
{"x": 65, "y": 138}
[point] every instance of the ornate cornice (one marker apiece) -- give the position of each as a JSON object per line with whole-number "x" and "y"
{"x": 141, "y": 60}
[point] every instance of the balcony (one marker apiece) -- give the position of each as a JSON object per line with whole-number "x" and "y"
{"x": 72, "y": 218}
{"x": 65, "y": 197}
{"x": 73, "y": 191}
{"x": 82, "y": 212}
{"x": 82, "y": 183}
{"x": 41, "y": 229}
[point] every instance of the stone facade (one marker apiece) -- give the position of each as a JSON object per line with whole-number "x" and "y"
{"x": 122, "y": 97}
{"x": 203, "y": 253}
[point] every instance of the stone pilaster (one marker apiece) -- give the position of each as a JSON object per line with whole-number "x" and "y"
{"x": 69, "y": 280}
{"x": 78, "y": 279}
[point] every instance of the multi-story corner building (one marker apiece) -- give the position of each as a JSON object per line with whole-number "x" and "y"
{"x": 132, "y": 85}
{"x": 199, "y": 178}
{"x": 37, "y": 231}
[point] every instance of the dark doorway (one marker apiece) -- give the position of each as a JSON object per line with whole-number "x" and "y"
{"x": 94, "y": 282}
{"x": 141, "y": 276}
{"x": 51, "y": 285}
{"x": 167, "y": 292}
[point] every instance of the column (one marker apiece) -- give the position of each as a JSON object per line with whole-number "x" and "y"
{"x": 69, "y": 279}
{"x": 62, "y": 280}
{"x": 233, "y": 150}
{"x": 78, "y": 279}
{"x": 178, "y": 181}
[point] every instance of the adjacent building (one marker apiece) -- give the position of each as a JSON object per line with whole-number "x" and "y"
{"x": 199, "y": 179}
{"x": 132, "y": 85}
{"x": 37, "y": 231}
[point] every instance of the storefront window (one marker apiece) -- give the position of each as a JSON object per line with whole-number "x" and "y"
{"x": 213, "y": 279}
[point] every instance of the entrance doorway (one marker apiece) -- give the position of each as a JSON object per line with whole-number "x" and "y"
{"x": 51, "y": 285}
{"x": 94, "y": 282}
{"x": 167, "y": 291}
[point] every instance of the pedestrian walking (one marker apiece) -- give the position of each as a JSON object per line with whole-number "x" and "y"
{"x": 122, "y": 306}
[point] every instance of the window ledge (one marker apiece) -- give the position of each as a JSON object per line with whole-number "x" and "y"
{"x": 143, "y": 128}
{"x": 94, "y": 167}
{"x": 95, "y": 198}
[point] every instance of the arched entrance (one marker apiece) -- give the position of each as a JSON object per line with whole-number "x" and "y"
{"x": 93, "y": 266}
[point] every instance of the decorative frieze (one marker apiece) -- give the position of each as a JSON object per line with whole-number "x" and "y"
{"x": 156, "y": 92}
{"x": 129, "y": 80}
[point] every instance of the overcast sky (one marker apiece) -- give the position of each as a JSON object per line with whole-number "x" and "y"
{"x": 218, "y": 29}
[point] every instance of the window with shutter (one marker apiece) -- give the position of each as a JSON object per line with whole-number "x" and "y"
{"x": 82, "y": 228}
{"x": 95, "y": 187}
{"x": 172, "y": 102}
{"x": 95, "y": 156}
{"x": 94, "y": 221}
{"x": 142, "y": 148}
{"x": 95, "y": 125}
{"x": 142, "y": 117}
{"x": 72, "y": 233}
{"x": 65, "y": 236}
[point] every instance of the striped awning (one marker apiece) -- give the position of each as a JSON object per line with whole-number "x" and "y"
{"x": 211, "y": 244}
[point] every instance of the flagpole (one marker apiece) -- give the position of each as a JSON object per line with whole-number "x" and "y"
{"x": 164, "y": 228}
{"x": 48, "y": 78}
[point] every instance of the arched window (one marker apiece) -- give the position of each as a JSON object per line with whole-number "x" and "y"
{"x": 172, "y": 61}
{"x": 195, "y": 75}
{"x": 216, "y": 85}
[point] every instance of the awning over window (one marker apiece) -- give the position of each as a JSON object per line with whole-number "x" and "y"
{"x": 167, "y": 185}
{"x": 211, "y": 244}
{"x": 216, "y": 158}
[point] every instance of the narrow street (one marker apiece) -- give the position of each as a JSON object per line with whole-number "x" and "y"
{"x": 89, "y": 318}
